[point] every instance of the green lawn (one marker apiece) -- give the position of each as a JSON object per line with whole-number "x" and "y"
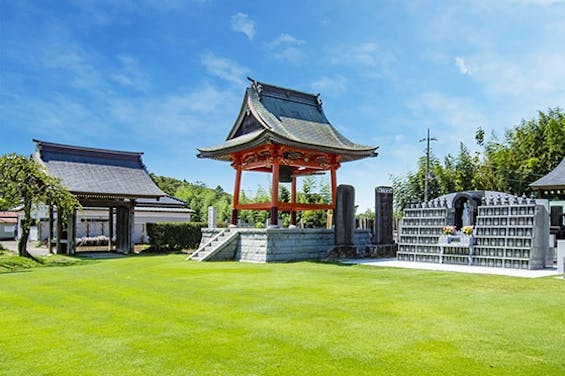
{"x": 160, "y": 315}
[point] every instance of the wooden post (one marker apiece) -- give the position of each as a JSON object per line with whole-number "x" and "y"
{"x": 110, "y": 228}
{"x": 236, "y": 189}
{"x": 50, "y": 230}
{"x": 119, "y": 229}
{"x": 59, "y": 244}
{"x": 275, "y": 192}
{"x": 131, "y": 226}
{"x": 71, "y": 232}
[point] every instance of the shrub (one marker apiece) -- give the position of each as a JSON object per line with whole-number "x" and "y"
{"x": 174, "y": 236}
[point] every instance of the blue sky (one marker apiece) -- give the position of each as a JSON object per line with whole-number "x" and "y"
{"x": 165, "y": 77}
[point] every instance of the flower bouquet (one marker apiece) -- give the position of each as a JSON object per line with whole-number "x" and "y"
{"x": 467, "y": 230}
{"x": 448, "y": 230}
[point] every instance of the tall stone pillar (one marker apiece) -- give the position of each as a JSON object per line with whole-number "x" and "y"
{"x": 212, "y": 217}
{"x": 383, "y": 215}
{"x": 384, "y": 238}
{"x": 345, "y": 222}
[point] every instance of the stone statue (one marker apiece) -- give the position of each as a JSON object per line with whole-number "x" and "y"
{"x": 466, "y": 216}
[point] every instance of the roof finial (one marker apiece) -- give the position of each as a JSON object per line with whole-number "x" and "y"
{"x": 319, "y": 100}
{"x": 255, "y": 85}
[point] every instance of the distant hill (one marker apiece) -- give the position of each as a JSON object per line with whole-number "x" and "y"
{"x": 198, "y": 196}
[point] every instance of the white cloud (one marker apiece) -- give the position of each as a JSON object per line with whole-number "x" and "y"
{"x": 200, "y": 111}
{"x": 367, "y": 58}
{"x": 463, "y": 67}
{"x": 242, "y": 23}
{"x": 363, "y": 54}
{"x": 532, "y": 76}
{"x": 285, "y": 39}
{"x": 77, "y": 65}
{"x": 333, "y": 86}
{"x": 224, "y": 68}
{"x": 87, "y": 70}
{"x": 451, "y": 119}
{"x": 130, "y": 74}
{"x": 56, "y": 117}
{"x": 286, "y": 47}
{"x": 539, "y": 2}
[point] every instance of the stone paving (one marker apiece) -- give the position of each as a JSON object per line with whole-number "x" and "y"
{"x": 12, "y": 245}
{"x": 43, "y": 251}
{"x": 394, "y": 263}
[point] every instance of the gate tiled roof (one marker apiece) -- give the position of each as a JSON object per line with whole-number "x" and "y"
{"x": 91, "y": 172}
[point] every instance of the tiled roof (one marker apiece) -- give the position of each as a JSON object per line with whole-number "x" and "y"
{"x": 271, "y": 114}
{"x": 162, "y": 202}
{"x": 554, "y": 179}
{"x": 8, "y": 217}
{"x": 97, "y": 172}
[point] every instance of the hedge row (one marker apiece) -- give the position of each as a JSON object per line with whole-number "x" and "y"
{"x": 175, "y": 236}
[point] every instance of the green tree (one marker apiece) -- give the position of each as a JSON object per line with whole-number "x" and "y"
{"x": 284, "y": 194}
{"x": 24, "y": 182}
{"x": 167, "y": 184}
{"x": 411, "y": 187}
{"x": 198, "y": 197}
{"x": 464, "y": 170}
{"x": 528, "y": 151}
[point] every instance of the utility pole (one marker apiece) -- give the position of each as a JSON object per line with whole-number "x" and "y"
{"x": 427, "y": 139}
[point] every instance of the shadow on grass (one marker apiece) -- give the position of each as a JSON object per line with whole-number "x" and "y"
{"x": 17, "y": 264}
{"x": 14, "y": 271}
{"x": 105, "y": 255}
{"x": 322, "y": 261}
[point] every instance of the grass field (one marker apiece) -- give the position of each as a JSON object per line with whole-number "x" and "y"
{"x": 160, "y": 315}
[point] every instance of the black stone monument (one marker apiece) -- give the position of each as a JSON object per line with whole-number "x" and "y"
{"x": 383, "y": 215}
{"x": 344, "y": 222}
{"x": 384, "y": 239}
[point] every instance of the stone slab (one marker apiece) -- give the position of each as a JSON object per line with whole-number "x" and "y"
{"x": 393, "y": 263}
{"x": 561, "y": 256}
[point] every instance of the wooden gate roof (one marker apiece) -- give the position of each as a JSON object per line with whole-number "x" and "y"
{"x": 274, "y": 115}
{"x": 97, "y": 173}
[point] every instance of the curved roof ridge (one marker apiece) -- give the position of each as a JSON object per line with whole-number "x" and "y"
{"x": 554, "y": 178}
{"x": 75, "y": 149}
{"x": 289, "y": 117}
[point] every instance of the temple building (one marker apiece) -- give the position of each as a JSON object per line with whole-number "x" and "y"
{"x": 99, "y": 178}
{"x": 286, "y": 133}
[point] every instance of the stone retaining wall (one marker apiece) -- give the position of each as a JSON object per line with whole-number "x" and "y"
{"x": 284, "y": 244}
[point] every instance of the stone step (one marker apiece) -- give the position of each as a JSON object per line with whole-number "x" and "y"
{"x": 211, "y": 247}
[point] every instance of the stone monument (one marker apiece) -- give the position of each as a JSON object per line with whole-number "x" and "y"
{"x": 344, "y": 223}
{"x": 384, "y": 239}
{"x": 212, "y": 218}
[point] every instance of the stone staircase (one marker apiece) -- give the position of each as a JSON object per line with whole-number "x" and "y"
{"x": 220, "y": 247}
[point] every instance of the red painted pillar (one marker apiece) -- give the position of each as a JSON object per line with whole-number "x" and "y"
{"x": 293, "y": 201}
{"x": 334, "y": 184}
{"x": 236, "y": 194}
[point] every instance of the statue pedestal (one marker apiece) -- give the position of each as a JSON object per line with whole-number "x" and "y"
{"x": 460, "y": 240}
